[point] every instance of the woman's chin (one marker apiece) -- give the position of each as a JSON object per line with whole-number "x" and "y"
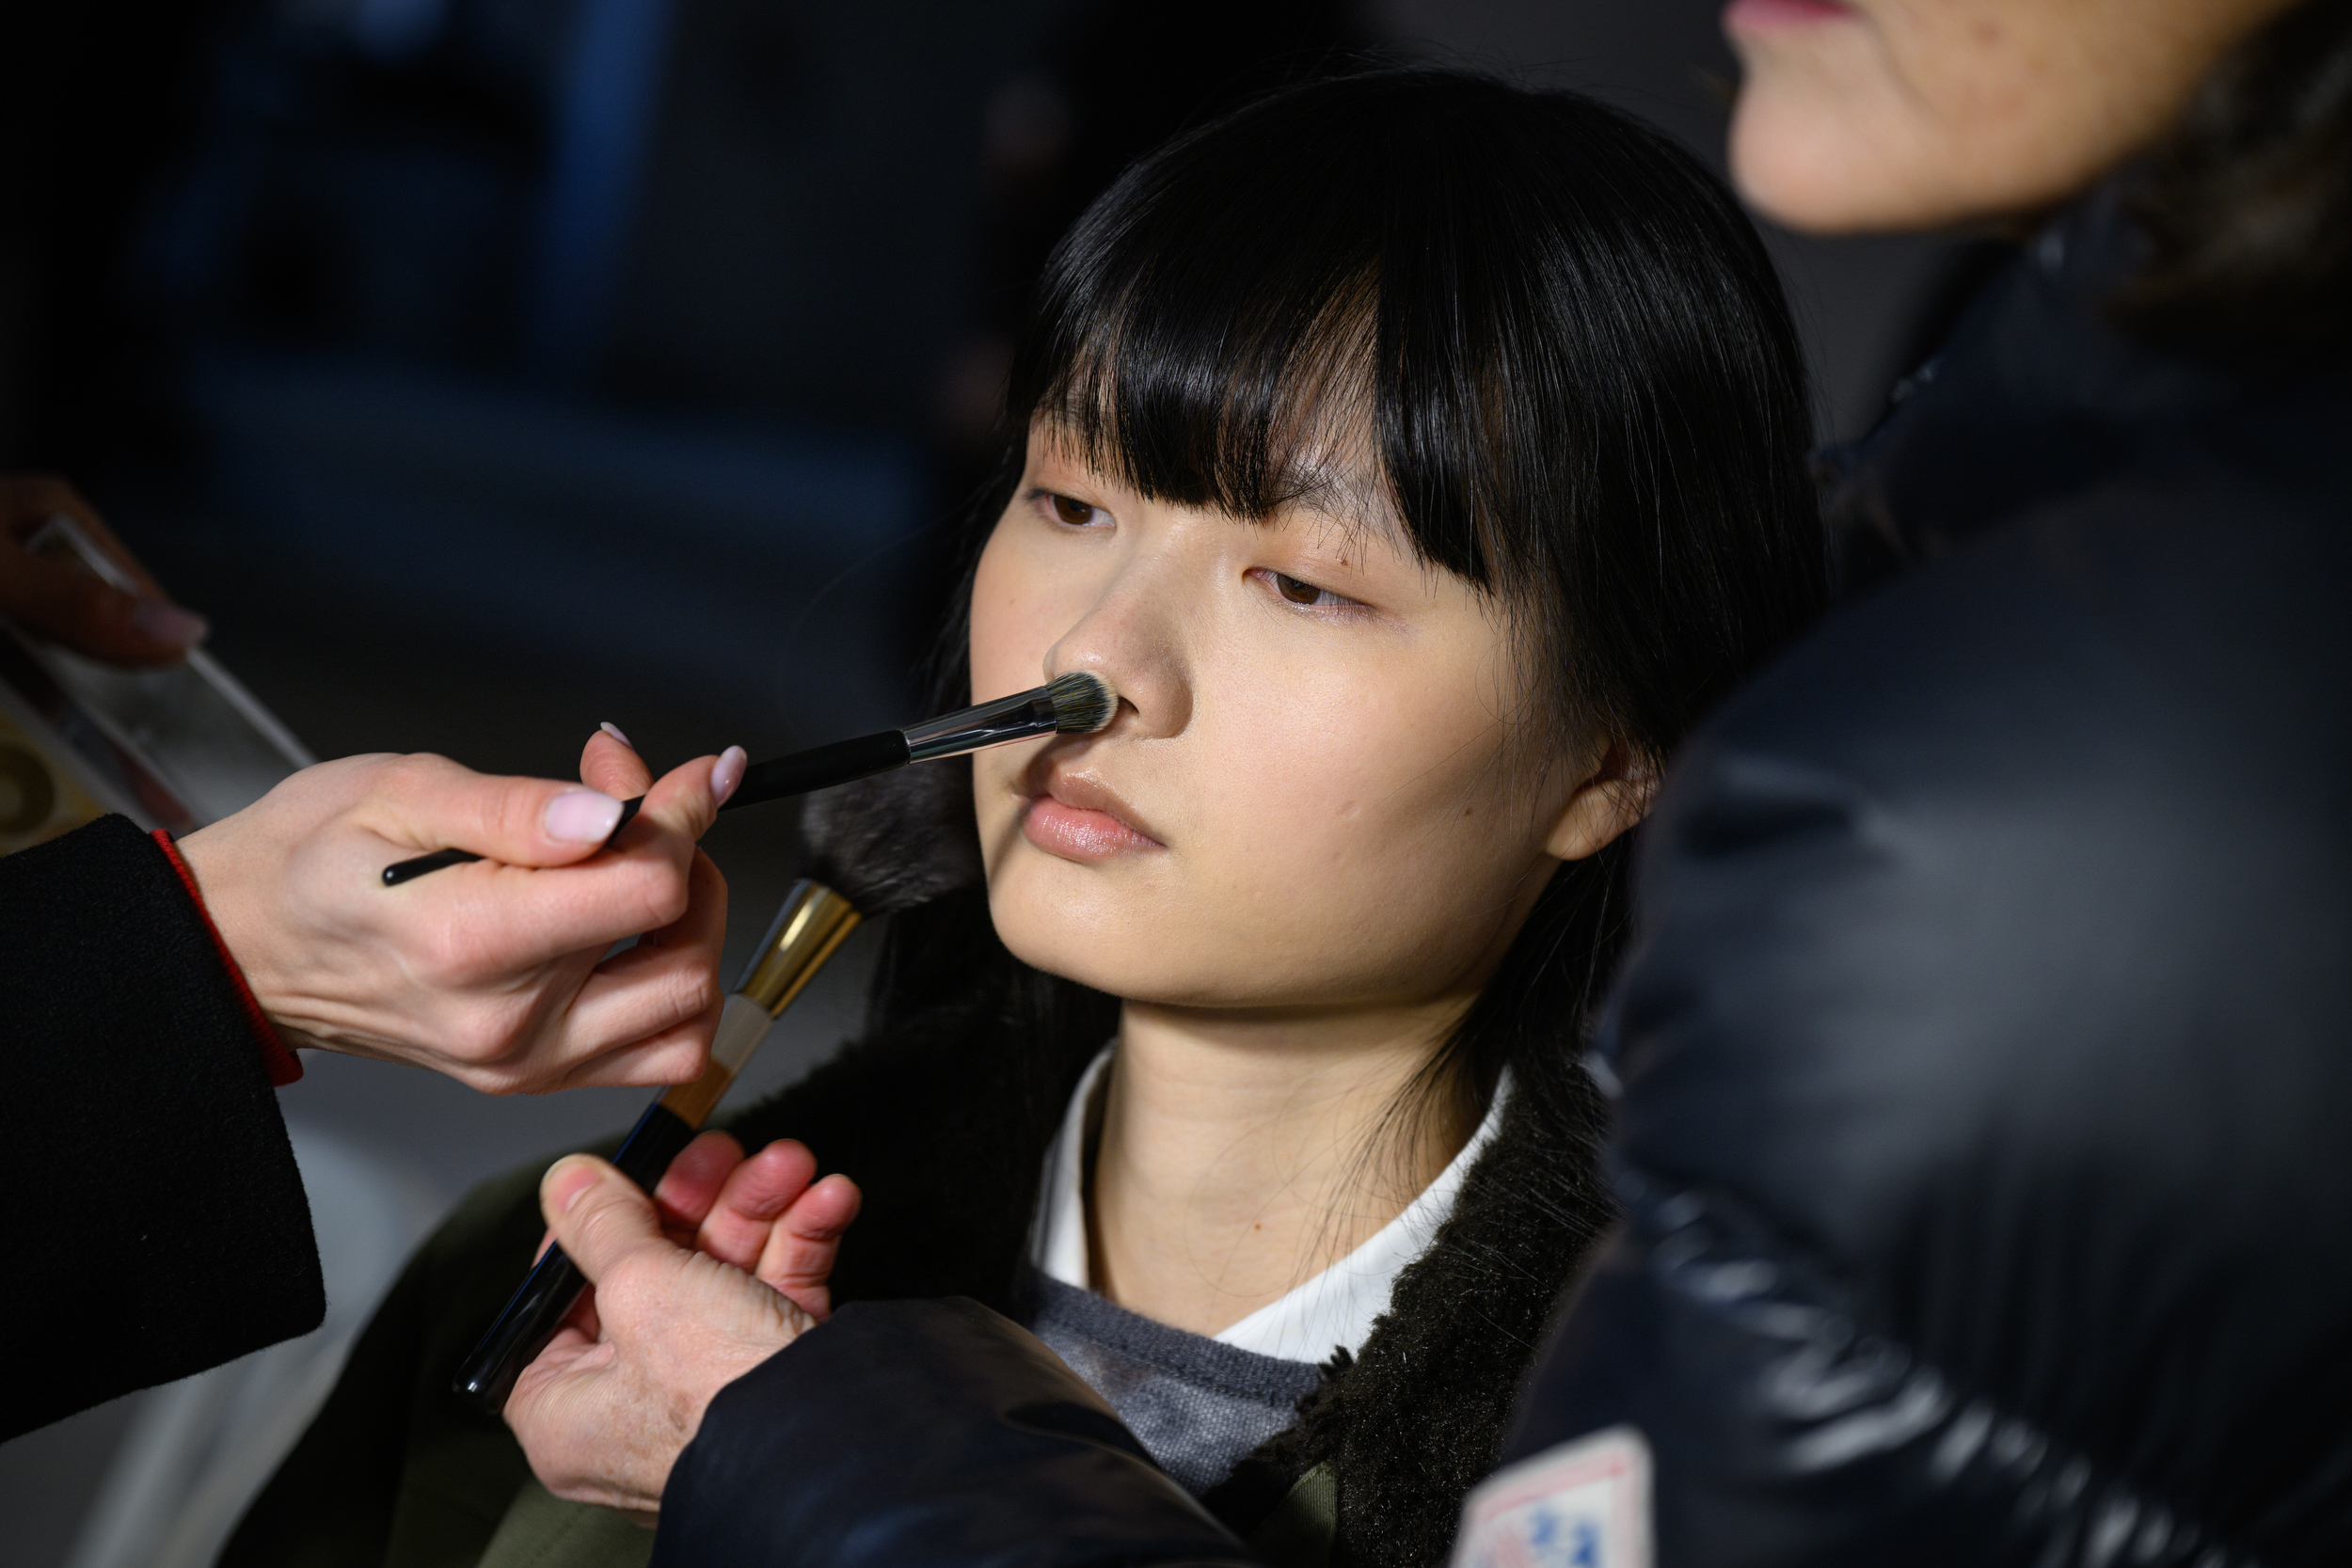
{"x": 1075, "y": 921}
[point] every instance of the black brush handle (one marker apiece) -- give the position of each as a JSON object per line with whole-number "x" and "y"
{"x": 409, "y": 870}
{"x": 820, "y": 768}
{"x": 546, "y": 1294}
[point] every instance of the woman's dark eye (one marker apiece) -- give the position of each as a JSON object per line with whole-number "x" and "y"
{"x": 1303, "y": 594}
{"x": 1296, "y": 591}
{"x": 1076, "y": 514}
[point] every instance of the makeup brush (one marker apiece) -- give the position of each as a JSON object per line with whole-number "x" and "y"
{"x": 875, "y": 847}
{"x": 1076, "y": 703}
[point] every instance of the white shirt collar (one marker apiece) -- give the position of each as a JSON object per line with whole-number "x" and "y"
{"x": 1334, "y": 1310}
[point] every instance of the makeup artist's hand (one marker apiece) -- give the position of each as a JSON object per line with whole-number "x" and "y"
{"x": 493, "y": 973}
{"x": 70, "y": 606}
{"x": 724, "y": 1267}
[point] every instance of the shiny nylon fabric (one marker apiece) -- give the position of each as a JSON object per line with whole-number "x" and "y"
{"x": 1816, "y": 1440}
{"x": 1987, "y": 1055}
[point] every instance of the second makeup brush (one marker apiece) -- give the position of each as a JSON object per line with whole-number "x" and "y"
{"x": 873, "y": 850}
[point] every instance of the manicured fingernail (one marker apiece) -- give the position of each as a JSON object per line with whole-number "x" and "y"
{"x": 160, "y": 621}
{"x": 582, "y": 816}
{"x": 572, "y": 1171}
{"x": 613, "y": 730}
{"x": 728, "y": 773}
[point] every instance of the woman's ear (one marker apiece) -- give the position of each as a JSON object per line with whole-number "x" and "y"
{"x": 1608, "y": 804}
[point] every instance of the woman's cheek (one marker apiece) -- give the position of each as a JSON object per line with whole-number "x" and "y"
{"x": 1296, "y": 832}
{"x": 993, "y": 808}
{"x": 1013, "y": 617}
{"x": 995, "y": 648}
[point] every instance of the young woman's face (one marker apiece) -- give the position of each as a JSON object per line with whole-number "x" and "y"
{"x": 1311, "y": 796}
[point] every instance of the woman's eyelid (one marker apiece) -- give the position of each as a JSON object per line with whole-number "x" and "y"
{"x": 1047, "y": 499}
{"x": 1340, "y": 601}
{"x": 1326, "y": 558}
{"x": 1333, "y": 573}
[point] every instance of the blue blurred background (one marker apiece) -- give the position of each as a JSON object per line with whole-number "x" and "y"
{"x": 487, "y": 368}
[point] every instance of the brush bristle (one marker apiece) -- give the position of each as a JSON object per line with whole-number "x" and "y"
{"x": 896, "y": 840}
{"x": 1083, "y": 701}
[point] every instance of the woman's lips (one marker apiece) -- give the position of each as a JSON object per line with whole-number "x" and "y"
{"x": 1757, "y": 15}
{"x": 1079, "y": 819}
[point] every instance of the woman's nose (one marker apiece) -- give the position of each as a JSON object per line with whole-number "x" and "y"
{"x": 1131, "y": 635}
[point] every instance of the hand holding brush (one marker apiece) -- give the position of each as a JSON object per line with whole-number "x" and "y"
{"x": 874, "y": 848}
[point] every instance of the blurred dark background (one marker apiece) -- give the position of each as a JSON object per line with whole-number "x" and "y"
{"x": 489, "y": 368}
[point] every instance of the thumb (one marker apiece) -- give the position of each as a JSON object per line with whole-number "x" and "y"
{"x": 599, "y": 1215}
{"x": 535, "y": 822}
{"x": 687, "y": 799}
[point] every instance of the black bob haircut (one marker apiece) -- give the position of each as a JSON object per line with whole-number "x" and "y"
{"x": 1571, "y": 360}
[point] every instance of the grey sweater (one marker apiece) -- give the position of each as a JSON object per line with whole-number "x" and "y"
{"x": 1197, "y": 1404}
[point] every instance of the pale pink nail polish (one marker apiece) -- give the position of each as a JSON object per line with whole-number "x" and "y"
{"x": 728, "y": 773}
{"x": 613, "y": 730}
{"x": 582, "y": 816}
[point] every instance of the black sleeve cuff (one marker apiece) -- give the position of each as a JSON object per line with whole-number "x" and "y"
{"x": 159, "y": 1224}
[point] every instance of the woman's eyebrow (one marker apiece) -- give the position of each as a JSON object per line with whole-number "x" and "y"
{"x": 1347, "y": 495}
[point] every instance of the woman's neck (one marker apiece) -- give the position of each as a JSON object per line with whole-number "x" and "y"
{"x": 1242, "y": 1155}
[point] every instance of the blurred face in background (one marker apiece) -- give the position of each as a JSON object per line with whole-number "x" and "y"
{"x": 1919, "y": 113}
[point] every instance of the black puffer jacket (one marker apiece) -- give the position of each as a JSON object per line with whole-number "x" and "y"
{"x": 943, "y": 1120}
{"x": 1987, "y": 1055}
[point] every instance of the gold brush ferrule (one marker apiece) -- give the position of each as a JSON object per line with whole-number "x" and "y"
{"x": 808, "y": 931}
{"x": 814, "y": 922}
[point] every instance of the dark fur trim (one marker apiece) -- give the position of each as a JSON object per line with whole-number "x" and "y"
{"x": 1419, "y": 1416}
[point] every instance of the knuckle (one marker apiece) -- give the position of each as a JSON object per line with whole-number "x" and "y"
{"x": 414, "y": 776}
{"x": 409, "y": 767}
{"x": 630, "y": 1276}
{"x": 606, "y": 1231}
{"x": 510, "y": 808}
{"x": 653, "y": 897}
{"x": 486, "y": 1035}
{"x": 675, "y": 1001}
{"x": 694, "y": 991}
{"x": 594, "y": 1216}
{"x": 480, "y": 1042}
{"x": 666, "y": 896}
{"x": 448, "y": 954}
{"x": 676, "y": 1064}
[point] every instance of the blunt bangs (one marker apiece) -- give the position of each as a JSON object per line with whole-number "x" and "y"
{"x": 1241, "y": 387}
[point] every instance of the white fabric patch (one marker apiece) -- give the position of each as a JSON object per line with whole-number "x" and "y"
{"x": 1581, "y": 1505}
